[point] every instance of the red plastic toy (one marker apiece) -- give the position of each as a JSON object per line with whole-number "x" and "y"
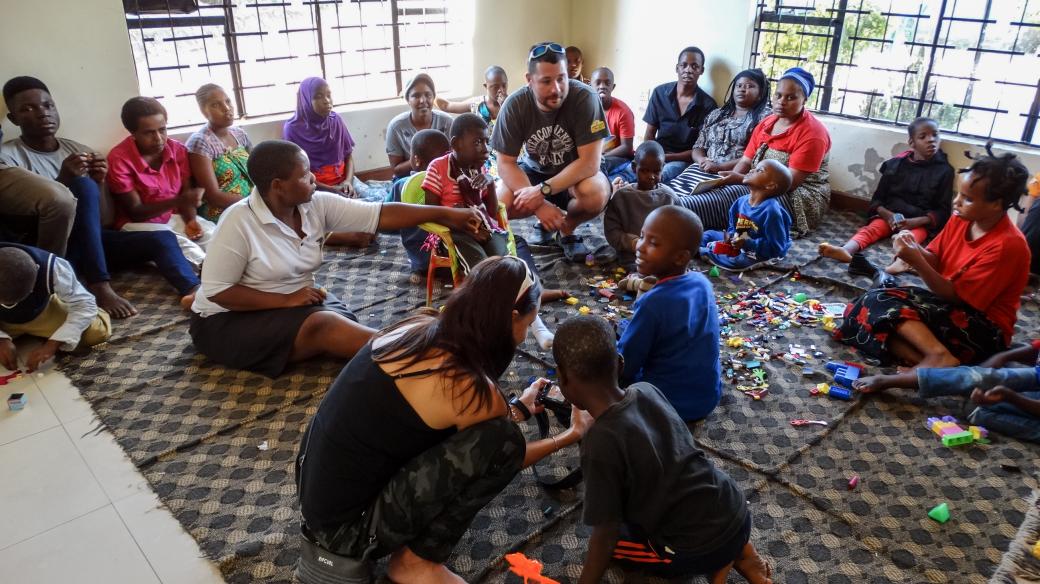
{"x": 5, "y": 379}
{"x": 528, "y": 569}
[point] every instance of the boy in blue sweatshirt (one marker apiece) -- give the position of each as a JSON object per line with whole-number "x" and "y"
{"x": 759, "y": 226}
{"x": 672, "y": 340}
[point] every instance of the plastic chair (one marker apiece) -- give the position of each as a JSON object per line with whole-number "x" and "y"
{"x": 414, "y": 194}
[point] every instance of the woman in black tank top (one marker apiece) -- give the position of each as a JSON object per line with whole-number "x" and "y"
{"x": 414, "y": 437}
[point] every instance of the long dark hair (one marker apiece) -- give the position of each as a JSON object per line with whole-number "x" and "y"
{"x": 475, "y": 329}
{"x": 759, "y": 109}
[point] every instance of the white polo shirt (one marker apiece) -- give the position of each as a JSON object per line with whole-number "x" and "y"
{"x": 252, "y": 248}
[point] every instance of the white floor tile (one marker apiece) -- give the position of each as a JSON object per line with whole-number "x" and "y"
{"x": 36, "y": 416}
{"x": 110, "y": 465}
{"x": 173, "y": 554}
{"x": 62, "y": 396}
{"x": 95, "y": 548}
{"x": 45, "y": 483}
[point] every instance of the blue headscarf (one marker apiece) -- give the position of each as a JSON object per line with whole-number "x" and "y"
{"x": 803, "y": 78}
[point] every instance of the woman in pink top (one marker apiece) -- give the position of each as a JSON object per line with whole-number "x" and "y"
{"x": 150, "y": 179}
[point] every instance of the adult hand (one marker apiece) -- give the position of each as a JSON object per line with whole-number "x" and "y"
{"x": 580, "y": 421}
{"x": 41, "y": 355}
{"x": 530, "y": 395}
{"x": 466, "y": 220}
{"x": 731, "y": 177}
{"x": 74, "y": 165}
{"x": 708, "y": 165}
{"x": 98, "y": 168}
{"x": 528, "y": 199}
{"x": 306, "y": 296}
{"x": 8, "y": 354}
{"x": 552, "y": 217}
{"x": 905, "y": 247}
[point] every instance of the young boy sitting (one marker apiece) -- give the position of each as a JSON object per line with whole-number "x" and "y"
{"x": 759, "y": 226}
{"x": 459, "y": 179}
{"x": 427, "y": 145}
{"x": 40, "y": 296}
{"x": 915, "y": 193}
{"x": 672, "y": 340}
{"x": 1008, "y": 397}
{"x": 673, "y": 513}
{"x": 630, "y": 205}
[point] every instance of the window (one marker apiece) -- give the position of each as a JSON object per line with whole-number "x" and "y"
{"x": 970, "y": 64}
{"x": 260, "y": 50}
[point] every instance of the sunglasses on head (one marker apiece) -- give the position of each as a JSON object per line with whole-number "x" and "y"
{"x": 544, "y": 48}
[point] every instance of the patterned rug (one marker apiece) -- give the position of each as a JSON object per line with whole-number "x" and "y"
{"x": 218, "y": 445}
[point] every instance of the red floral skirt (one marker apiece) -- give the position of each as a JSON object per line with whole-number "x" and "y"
{"x": 966, "y": 332}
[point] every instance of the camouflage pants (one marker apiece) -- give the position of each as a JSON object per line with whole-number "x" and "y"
{"x": 429, "y": 504}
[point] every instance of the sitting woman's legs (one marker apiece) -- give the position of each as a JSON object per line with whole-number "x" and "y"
{"x": 921, "y": 347}
{"x": 328, "y": 333}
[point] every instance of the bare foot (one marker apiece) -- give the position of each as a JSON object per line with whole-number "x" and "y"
{"x": 549, "y": 295}
{"x": 990, "y": 397}
{"x": 113, "y": 303}
{"x": 407, "y": 568}
{"x": 357, "y": 239}
{"x": 752, "y": 567}
{"x": 879, "y": 383}
{"x": 835, "y": 253}
{"x": 897, "y": 267}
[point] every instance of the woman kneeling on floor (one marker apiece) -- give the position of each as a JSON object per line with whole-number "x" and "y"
{"x": 974, "y": 270}
{"x": 414, "y": 437}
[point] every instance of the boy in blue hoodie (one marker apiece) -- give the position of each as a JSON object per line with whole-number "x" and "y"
{"x": 672, "y": 341}
{"x": 759, "y": 226}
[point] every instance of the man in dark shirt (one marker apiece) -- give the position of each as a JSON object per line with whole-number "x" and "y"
{"x": 677, "y": 111}
{"x": 559, "y": 125}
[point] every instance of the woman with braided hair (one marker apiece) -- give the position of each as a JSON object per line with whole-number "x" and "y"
{"x": 974, "y": 270}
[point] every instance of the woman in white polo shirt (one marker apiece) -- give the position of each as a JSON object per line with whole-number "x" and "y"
{"x": 258, "y": 308}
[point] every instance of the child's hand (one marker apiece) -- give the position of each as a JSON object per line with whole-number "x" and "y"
{"x": 481, "y": 181}
{"x": 996, "y": 361}
{"x": 482, "y": 235}
{"x": 580, "y": 421}
{"x": 347, "y": 190}
{"x": 617, "y": 184}
{"x": 8, "y": 354}
{"x": 991, "y": 396}
{"x": 192, "y": 229}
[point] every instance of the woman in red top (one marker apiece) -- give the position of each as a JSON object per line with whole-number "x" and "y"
{"x": 795, "y": 138}
{"x": 975, "y": 270}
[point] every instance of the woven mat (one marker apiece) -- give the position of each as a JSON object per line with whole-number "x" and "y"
{"x": 217, "y": 445}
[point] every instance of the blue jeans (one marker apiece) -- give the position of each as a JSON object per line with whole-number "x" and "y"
{"x": 1003, "y": 417}
{"x": 93, "y": 250}
{"x": 672, "y": 170}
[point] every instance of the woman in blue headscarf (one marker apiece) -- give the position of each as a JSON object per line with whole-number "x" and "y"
{"x": 794, "y": 137}
{"x": 323, "y": 135}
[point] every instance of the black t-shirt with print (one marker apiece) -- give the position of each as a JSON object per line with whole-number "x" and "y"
{"x": 549, "y": 140}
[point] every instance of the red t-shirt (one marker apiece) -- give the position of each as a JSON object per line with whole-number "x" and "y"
{"x": 439, "y": 182}
{"x": 621, "y": 123}
{"x": 989, "y": 273}
{"x": 807, "y": 141}
{"x": 127, "y": 171}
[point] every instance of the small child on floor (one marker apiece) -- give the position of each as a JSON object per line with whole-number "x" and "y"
{"x": 1008, "y": 397}
{"x": 674, "y": 513}
{"x": 459, "y": 179}
{"x": 427, "y": 145}
{"x": 915, "y": 194}
{"x": 40, "y": 296}
{"x": 672, "y": 340}
{"x": 759, "y": 226}
{"x": 630, "y": 204}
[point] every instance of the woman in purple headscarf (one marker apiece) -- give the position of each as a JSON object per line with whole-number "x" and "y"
{"x": 323, "y": 136}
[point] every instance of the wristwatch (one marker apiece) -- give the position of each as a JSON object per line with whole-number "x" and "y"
{"x": 546, "y": 189}
{"x": 515, "y": 402}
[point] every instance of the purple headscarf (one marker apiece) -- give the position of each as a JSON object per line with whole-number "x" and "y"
{"x": 325, "y": 139}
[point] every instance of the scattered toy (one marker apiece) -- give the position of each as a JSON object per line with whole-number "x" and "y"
{"x": 844, "y": 373}
{"x": 528, "y": 569}
{"x": 17, "y": 401}
{"x": 714, "y": 272}
{"x": 952, "y": 434}
{"x": 584, "y": 310}
{"x": 803, "y": 422}
{"x": 940, "y": 513}
{"x": 572, "y": 300}
{"x": 831, "y": 391}
{"x": 12, "y": 376}
{"x": 853, "y": 482}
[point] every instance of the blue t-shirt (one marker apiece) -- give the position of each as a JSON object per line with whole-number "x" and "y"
{"x": 767, "y": 227}
{"x": 672, "y": 342}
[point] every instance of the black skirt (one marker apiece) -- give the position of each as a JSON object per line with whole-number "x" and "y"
{"x": 258, "y": 340}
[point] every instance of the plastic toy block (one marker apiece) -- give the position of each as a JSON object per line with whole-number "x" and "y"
{"x": 800, "y": 297}
{"x": 572, "y": 300}
{"x": 957, "y": 438}
{"x": 723, "y": 248}
{"x": 714, "y": 272}
{"x": 1036, "y": 550}
{"x": 940, "y": 513}
{"x": 839, "y": 393}
{"x": 584, "y": 310}
{"x": 978, "y": 432}
{"x": 606, "y": 293}
{"x": 17, "y": 401}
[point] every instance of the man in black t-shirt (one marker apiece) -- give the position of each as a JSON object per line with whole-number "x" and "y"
{"x": 559, "y": 125}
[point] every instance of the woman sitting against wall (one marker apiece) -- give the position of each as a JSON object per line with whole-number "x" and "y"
{"x": 793, "y": 136}
{"x": 218, "y": 153}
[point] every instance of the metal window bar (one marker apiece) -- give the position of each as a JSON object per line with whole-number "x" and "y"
{"x": 852, "y": 46}
{"x": 328, "y": 19}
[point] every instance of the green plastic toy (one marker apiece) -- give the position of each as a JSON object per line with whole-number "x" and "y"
{"x": 800, "y": 297}
{"x": 940, "y": 513}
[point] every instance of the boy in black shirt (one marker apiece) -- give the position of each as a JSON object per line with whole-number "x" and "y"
{"x": 654, "y": 500}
